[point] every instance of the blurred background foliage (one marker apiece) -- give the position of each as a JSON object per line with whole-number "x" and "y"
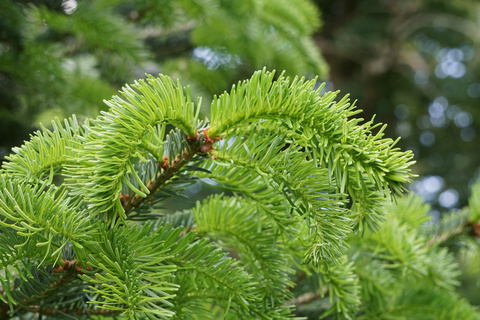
{"x": 412, "y": 63}
{"x": 60, "y": 57}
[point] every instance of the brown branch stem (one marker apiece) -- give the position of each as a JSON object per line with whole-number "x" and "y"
{"x": 444, "y": 237}
{"x": 200, "y": 144}
{"x": 160, "y": 180}
{"x": 308, "y": 297}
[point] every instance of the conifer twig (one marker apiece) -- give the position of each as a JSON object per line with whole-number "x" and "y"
{"x": 198, "y": 144}
{"x": 308, "y": 297}
{"x": 445, "y": 236}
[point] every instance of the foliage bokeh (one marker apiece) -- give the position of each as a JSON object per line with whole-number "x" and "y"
{"x": 63, "y": 57}
{"x": 415, "y": 65}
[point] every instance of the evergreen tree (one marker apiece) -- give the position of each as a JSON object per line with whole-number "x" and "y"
{"x": 85, "y": 232}
{"x": 62, "y": 57}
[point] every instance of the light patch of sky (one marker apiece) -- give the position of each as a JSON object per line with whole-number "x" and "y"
{"x": 463, "y": 119}
{"x": 450, "y": 63}
{"x": 448, "y": 198}
{"x": 428, "y": 187}
{"x": 437, "y": 111}
{"x": 69, "y": 6}
{"x": 213, "y": 59}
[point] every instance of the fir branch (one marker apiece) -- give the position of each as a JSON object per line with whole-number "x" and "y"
{"x": 352, "y": 153}
{"x": 421, "y": 303}
{"x": 44, "y": 289}
{"x": 309, "y": 297}
{"x": 46, "y": 153}
{"x": 69, "y": 312}
{"x": 376, "y": 280}
{"x": 182, "y": 156}
{"x": 451, "y": 225}
{"x": 289, "y": 21}
{"x": 254, "y": 189}
{"x": 42, "y": 216}
{"x": 132, "y": 273}
{"x": 170, "y": 166}
{"x": 290, "y": 157}
{"x": 343, "y": 288}
{"x": 54, "y": 287}
{"x": 304, "y": 187}
{"x": 254, "y": 243}
{"x": 398, "y": 256}
{"x": 206, "y": 266}
{"x": 114, "y": 140}
{"x": 402, "y": 248}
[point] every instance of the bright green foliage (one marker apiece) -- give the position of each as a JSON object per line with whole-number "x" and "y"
{"x": 399, "y": 272}
{"x": 254, "y": 241}
{"x": 304, "y": 186}
{"x": 46, "y": 152}
{"x": 42, "y": 216}
{"x": 357, "y": 160}
{"x": 403, "y": 275}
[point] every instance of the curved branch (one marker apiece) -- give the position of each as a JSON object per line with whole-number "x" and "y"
{"x": 114, "y": 140}
{"x": 355, "y": 157}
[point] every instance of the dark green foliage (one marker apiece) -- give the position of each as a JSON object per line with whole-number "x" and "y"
{"x": 413, "y": 64}
{"x": 63, "y": 57}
